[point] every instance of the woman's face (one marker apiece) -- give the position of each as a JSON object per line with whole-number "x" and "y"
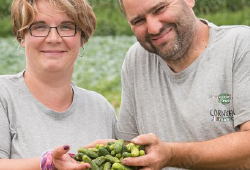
{"x": 52, "y": 53}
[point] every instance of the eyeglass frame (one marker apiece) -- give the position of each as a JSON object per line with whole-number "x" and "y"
{"x": 76, "y": 27}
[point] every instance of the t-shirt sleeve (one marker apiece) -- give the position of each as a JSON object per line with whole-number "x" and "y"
{"x": 5, "y": 136}
{"x": 241, "y": 81}
{"x": 126, "y": 127}
{"x": 114, "y": 120}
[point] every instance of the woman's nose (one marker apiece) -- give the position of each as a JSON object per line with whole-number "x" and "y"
{"x": 53, "y": 36}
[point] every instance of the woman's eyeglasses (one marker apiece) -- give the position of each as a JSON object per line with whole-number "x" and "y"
{"x": 43, "y": 30}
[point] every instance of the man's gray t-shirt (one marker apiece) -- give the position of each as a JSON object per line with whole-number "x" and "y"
{"x": 209, "y": 99}
{"x": 28, "y": 128}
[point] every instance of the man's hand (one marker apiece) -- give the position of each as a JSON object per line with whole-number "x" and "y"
{"x": 158, "y": 153}
{"x": 63, "y": 161}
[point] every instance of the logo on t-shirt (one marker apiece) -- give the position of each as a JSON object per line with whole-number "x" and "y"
{"x": 222, "y": 115}
{"x": 224, "y": 98}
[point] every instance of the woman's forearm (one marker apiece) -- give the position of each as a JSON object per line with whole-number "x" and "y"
{"x": 20, "y": 164}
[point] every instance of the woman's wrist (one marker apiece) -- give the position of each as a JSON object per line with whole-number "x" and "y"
{"x": 46, "y": 162}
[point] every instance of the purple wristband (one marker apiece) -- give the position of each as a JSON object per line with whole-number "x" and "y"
{"x": 47, "y": 161}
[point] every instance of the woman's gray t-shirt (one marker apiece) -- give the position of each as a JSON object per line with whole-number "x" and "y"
{"x": 28, "y": 128}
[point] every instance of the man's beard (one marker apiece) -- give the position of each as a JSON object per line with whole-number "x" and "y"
{"x": 174, "y": 50}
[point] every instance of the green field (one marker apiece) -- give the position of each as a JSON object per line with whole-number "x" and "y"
{"x": 98, "y": 70}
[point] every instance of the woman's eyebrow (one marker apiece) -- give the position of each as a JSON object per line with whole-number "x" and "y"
{"x": 39, "y": 22}
{"x": 67, "y": 22}
{"x": 63, "y": 22}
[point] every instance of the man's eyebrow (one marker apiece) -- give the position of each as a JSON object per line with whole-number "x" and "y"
{"x": 136, "y": 18}
{"x": 150, "y": 10}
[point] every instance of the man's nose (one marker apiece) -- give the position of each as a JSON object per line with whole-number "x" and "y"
{"x": 153, "y": 25}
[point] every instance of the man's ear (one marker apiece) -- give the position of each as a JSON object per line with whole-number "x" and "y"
{"x": 22, "y": 43}
{"x": 190, "y": 3}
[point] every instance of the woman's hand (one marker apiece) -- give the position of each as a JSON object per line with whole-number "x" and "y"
{"x": 63, "y": 161}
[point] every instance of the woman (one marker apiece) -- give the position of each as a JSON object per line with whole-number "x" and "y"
{"x": 40, "y": 108}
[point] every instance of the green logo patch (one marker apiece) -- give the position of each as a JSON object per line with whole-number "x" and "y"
{"x": 224, "y": 98}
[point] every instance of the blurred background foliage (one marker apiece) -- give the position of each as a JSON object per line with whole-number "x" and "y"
{"x": 111, "y": 21}
{"x": 99, "y": 69}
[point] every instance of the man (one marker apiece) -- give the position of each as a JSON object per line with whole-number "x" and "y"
{"x": 186, "y": 86}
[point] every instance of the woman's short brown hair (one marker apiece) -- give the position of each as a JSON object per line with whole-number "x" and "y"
{"x": 23, "y": 15}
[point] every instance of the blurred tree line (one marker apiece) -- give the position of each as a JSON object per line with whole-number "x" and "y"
{"x": 111, "y": 21}
{"x": 214, "y": 6}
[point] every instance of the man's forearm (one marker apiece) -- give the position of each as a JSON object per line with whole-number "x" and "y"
{"x": 229, "y": 152}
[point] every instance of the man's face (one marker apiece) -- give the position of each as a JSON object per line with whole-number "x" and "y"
{"x": 164, "y": 27}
